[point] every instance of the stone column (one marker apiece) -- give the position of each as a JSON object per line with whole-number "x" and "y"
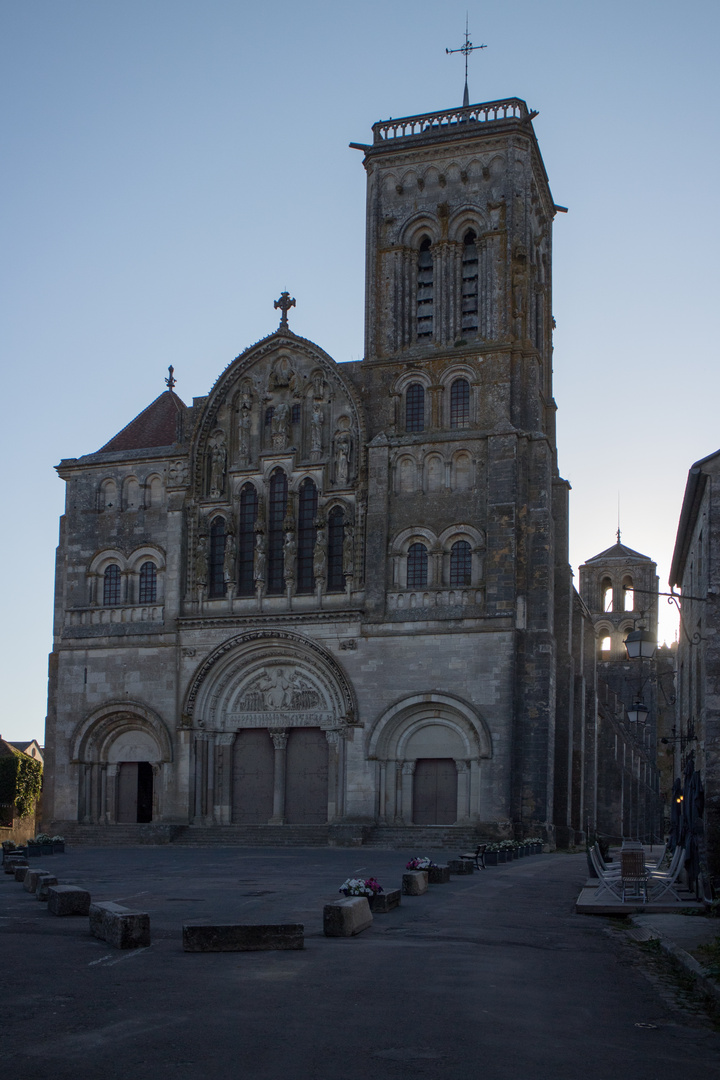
{"x": 201, "y": 778}
{"x": 222, "y": 810}
{"x": 382, "y": 792}
{"x": 463, "y": 790}
{"x": 279, "y": 739}
{"x": 334, "y": 740}
{"x": 85, "y": 800}
{"x": 112, "y": 774}
{"x": 102, "y": 803}
{"x": 157, "y": 771}
{"x": 408, "y": 771}
{"x": 398, "y": 792}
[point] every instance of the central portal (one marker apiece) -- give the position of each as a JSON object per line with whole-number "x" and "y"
{"x": 258, "y": 769}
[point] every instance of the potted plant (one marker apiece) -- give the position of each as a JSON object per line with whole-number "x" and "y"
{"x": 58, "y": 843}
{"x": 492, "y": 851}
{"x": 41, "y": 845}
{"x": 367, "y": 887}
{"x": 419, "y": 864}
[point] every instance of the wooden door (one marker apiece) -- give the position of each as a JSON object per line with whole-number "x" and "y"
{"x": 127, "y": 793}
{"x": 435, "y": 792}
{"x": 306, "y": 779}
{"x": 253, "y": 768}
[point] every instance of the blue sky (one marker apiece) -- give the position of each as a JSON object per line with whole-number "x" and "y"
{"x": 171, "y": 166}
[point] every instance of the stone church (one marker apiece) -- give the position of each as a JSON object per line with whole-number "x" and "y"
{"x": 337, "y": 595}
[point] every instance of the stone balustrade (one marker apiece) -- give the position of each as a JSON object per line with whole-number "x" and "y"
{"x": 508, "y": 109}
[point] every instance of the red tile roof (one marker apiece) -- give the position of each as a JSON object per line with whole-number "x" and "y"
{"x": 155, "y": 426}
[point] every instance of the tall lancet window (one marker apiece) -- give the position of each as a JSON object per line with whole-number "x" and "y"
{"x": 276, "y": 515}
{"x": 217, "y": 558}
{"x": 246, "y": 539}
{"x": 425, "y": 291}
{"x": 307, "y": 533}
{"x": 470, "y": 283}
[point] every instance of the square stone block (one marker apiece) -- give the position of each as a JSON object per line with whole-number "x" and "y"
{"x": 242, "y": 937}
{"x": 44, "y": 883}
{"x": 68, "y": 900}
{"x": 30, "y": 880}
{"x": 415, "y": 882}
{"x": 383, "y": 902}
{"x": 438, "y": 875}
{"x": 20, "y": 872}
{"x": 119, "y": 926}
{"x": 460, "y": 866}
{"x": 345, "y": 918}
{"x": 13, "y": 861}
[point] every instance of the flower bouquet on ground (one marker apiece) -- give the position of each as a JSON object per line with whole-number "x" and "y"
{"x": 420, "y": 864}
{"x": 361, "y": 887}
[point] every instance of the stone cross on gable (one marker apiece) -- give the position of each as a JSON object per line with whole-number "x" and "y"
{"x": 284, "y": 303}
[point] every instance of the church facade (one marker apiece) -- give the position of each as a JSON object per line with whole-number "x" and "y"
{"x": 331, "y": 594}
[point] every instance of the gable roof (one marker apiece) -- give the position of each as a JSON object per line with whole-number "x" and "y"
{"x": 158, "y": 425}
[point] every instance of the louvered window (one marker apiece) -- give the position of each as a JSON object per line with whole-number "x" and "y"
{"x": 425, "y": 294}
{"x": 470, "y": 284}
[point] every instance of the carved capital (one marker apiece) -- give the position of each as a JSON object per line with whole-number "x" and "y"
{"x": 279, "y": 739}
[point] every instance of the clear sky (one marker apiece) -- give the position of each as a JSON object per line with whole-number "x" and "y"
{"x": 171, "y": 165}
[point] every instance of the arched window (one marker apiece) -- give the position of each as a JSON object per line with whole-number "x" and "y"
{"x": 108, "y": 495}
{"x": 111, "y": 585}
{"x": 606, "y": 594}
{"x": 460, "y": 404}
{"x": 307, "y": 533}
{"x": 417, "y": 566}
{"x": 470, "y": 284}
{"x": 216, "y": 578}
{"x": 605, "y": 642}
{"x": 460, "y": 564}
{"x": 415, "y": 407}
{"x": 276, "y": 516}
{"x": 336, "y": 536}
{"x": 628, "y": 594}
{"x": 425, "y": 291}
{"x": 148, "y": 583}
{"x": 246, "y": 539}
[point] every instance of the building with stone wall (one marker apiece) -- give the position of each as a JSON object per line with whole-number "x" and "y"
{"x": 695, "y": 741}
{"x": 338, "y": 595}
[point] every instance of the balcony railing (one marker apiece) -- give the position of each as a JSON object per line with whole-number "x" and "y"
{"x": 450, "y": 119}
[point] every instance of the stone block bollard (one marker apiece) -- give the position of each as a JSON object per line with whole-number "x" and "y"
{"x": 20, "y": 872}
{"x": 242, "y": 937}
{"x": 43, "y": 885}
{"x": 345, "y": 918}
{"x": 68, "y": 900}
{"x": 415, "y": 882}
{"x": 383, "y": 902}
{"x": 460, "y": 866}
{"x": 438, "y": 875}
{"x": 120, "y": 926}
{"x": 30, "y": 881}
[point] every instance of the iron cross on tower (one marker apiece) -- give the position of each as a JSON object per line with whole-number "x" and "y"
{"x": 284, "y": 303}
{"x": 466, "y": 49}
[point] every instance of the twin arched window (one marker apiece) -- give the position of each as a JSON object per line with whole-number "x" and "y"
{"x": 417, "y": 569}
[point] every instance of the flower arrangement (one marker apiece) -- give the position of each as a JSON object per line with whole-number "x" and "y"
{"x": 58, "y": 839}
{"x": 361, "y": 887}
{"x": 42, "y": 838}
{"x": 420, "y": 864}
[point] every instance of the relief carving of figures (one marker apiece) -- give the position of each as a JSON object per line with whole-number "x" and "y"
{"x": 316, "y": 426}
{"x": 178, "y": 474}
{"x": 280, "y": 426}
{"x": 259, "y": 560}
{"x": 278, "y": 688}
{"x": 320, "y": 557}
{"x": 289, "y": 554}
{"x": 201, "y": 561}
{"x": 218, "y": 462}
{"x": 281, "y": 374}
{"x": 348, "y": 552}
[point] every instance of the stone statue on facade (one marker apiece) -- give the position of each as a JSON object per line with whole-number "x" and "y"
{"x": 342, "y": 457}
{"x": 348, "y": 552}
{"x": 201, "y": 561}
{"x": 229, "y": 559}
{"x": 289, "y": 555}
{"x": 280, "y": 426}
{"x": 316, "y": 426}
{"x": 218, "y": 462}
{"x": 320, "y": 557}
{"x": 244, "y": 424}
{"x": 259, "y": 560}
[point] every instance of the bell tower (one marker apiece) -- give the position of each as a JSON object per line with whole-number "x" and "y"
{"x": 458, "y": 233}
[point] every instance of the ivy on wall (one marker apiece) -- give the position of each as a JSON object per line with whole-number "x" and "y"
{"x": 20, "y": 784}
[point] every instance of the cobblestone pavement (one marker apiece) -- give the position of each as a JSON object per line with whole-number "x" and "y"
{"x": 492, "y": 975}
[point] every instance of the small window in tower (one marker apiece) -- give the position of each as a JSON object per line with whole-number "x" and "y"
{"x": 415, "y": 407}
{"x": 417, "y": 566}
{"x": 425, "y": 291}
{"x": 460, "y": 404}
{"x": 111, "y": 585}
{"x": 148, "y": 583}
{"x": 470, "y": 284}
{"x": 606, "y": 592}
{"x": 605, "y": 643}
